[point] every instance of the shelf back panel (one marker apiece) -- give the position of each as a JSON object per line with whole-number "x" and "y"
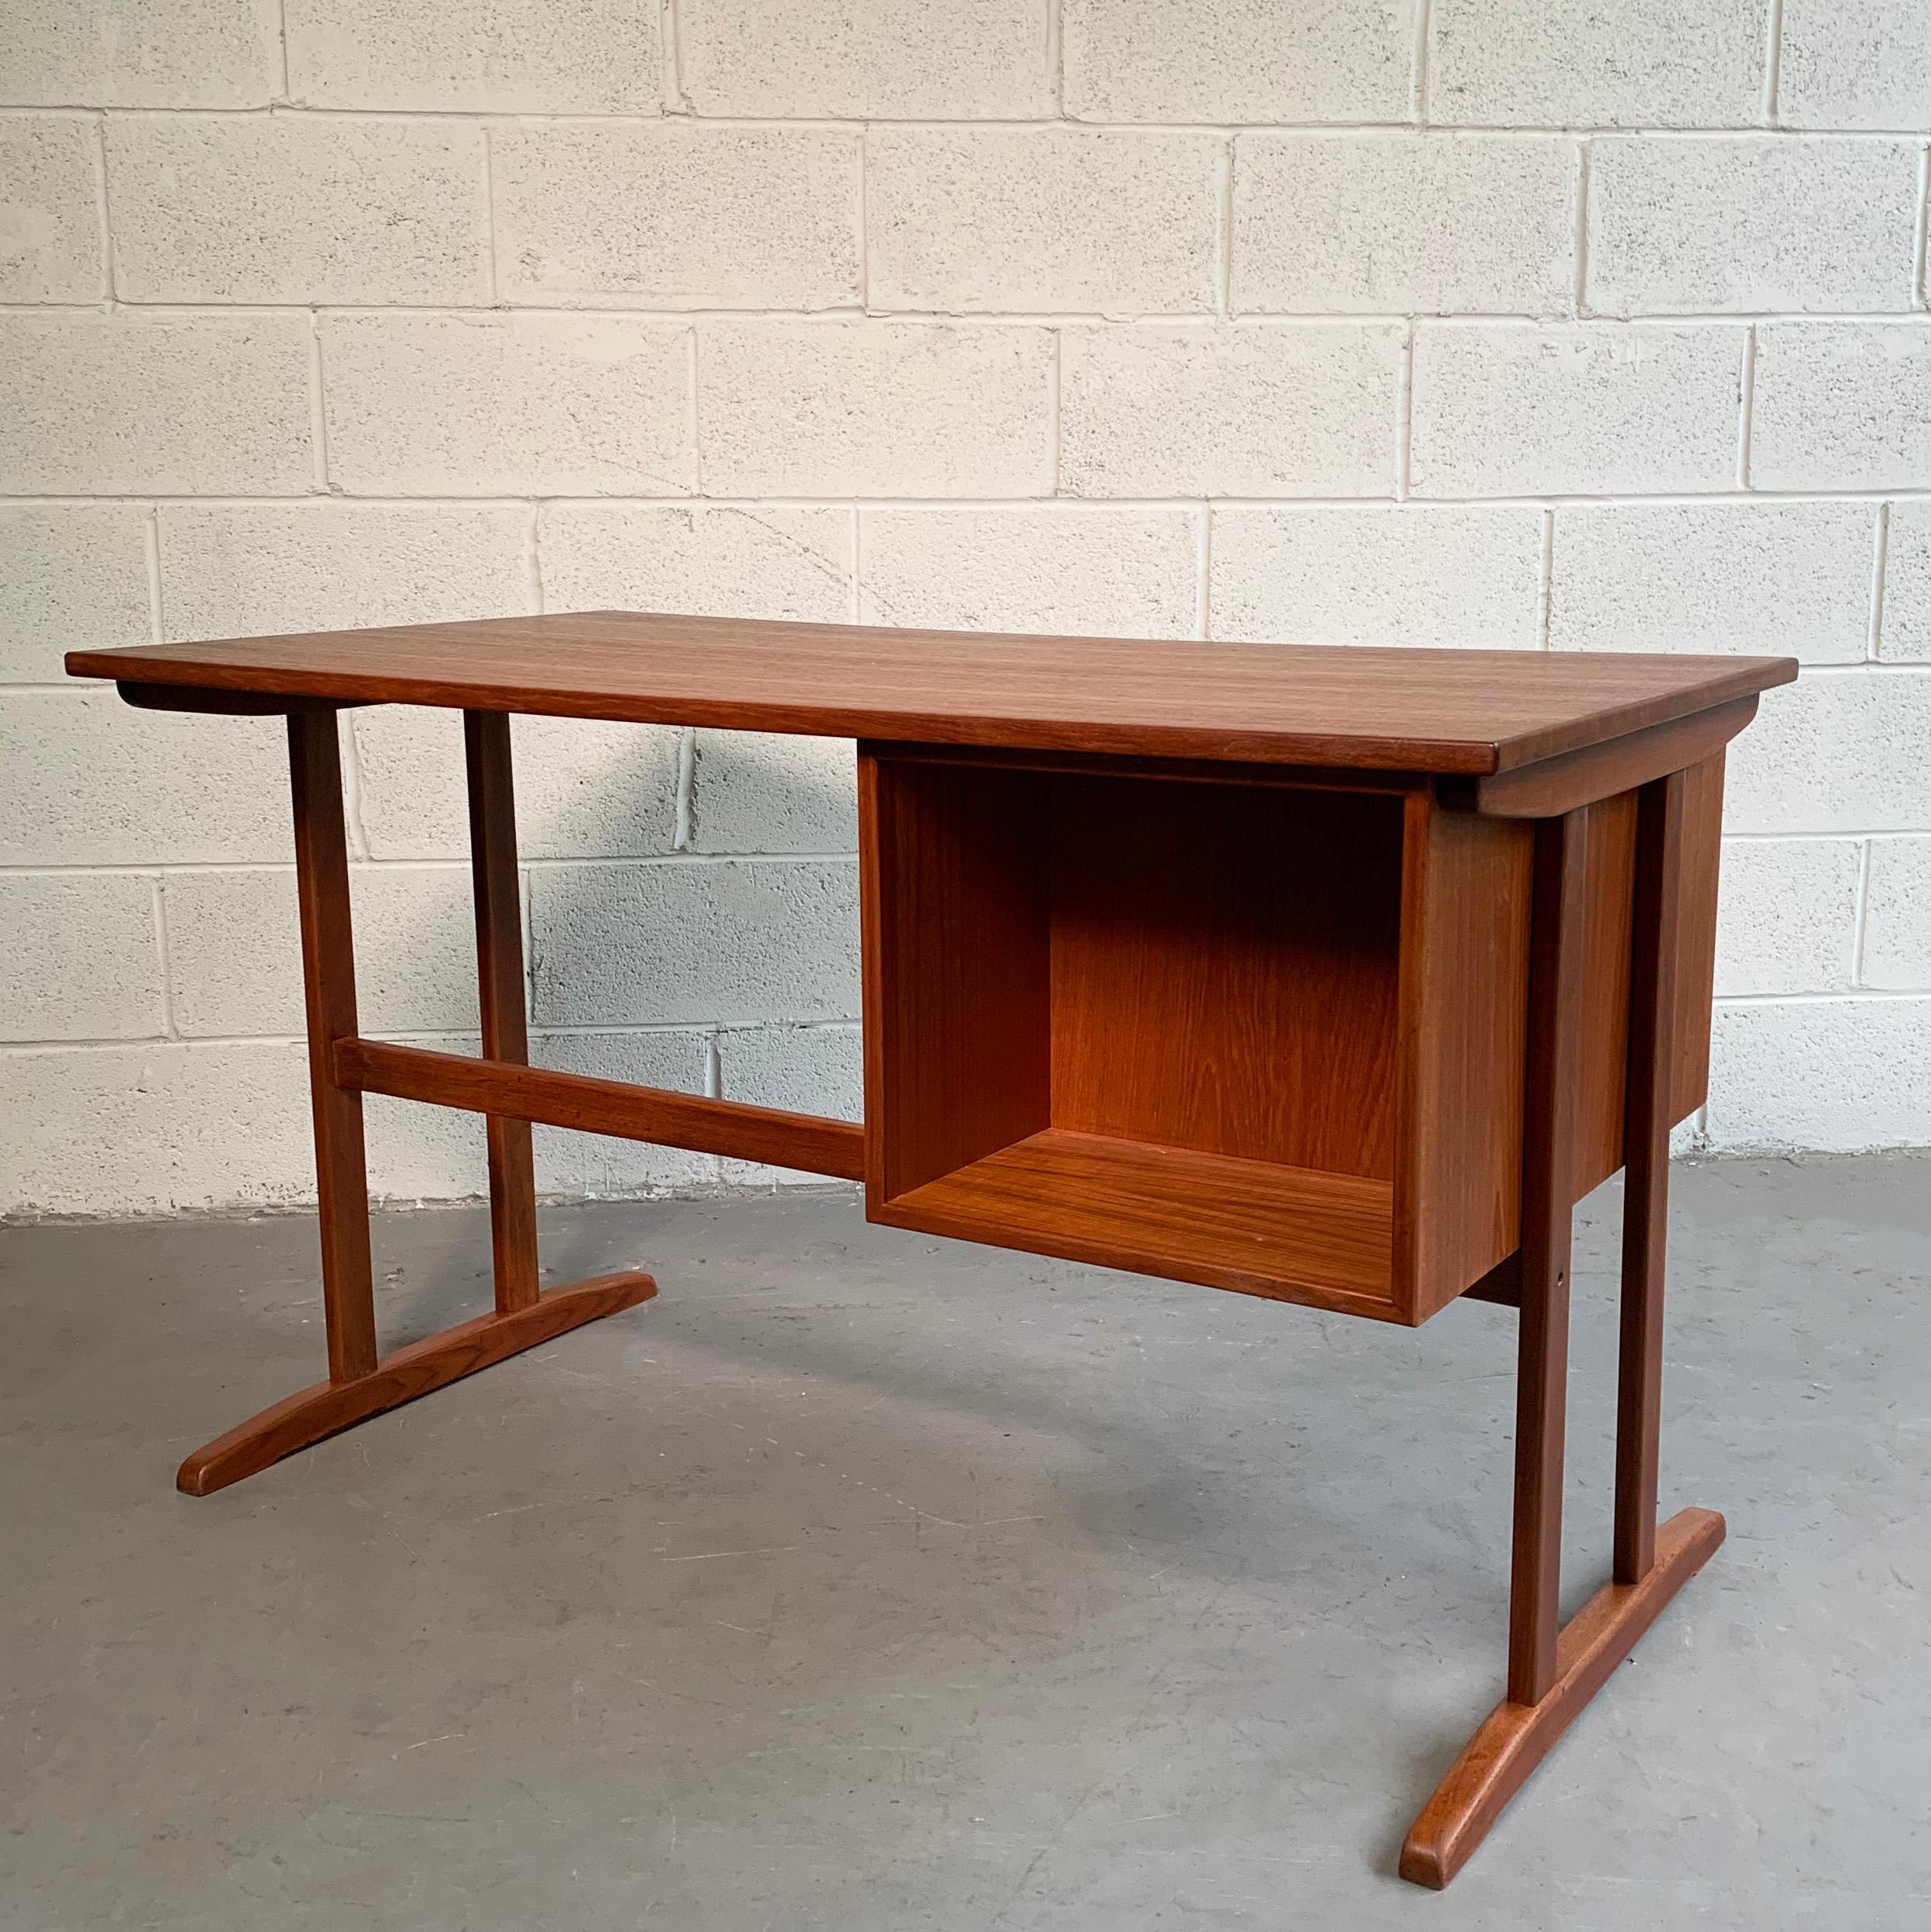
{"x": 1224, "y": 968}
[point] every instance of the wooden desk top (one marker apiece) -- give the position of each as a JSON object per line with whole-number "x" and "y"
{"x": 1460, "y": 712}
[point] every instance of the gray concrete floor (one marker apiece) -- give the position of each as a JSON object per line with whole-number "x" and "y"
{"x": 867, "y": 1581}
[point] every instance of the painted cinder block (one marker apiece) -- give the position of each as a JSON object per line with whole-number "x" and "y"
{"x": 1837, "y": 1076}
{"x": 1386, "y": 224}
{"x": 908, "y": 408}
{"x": 1080, "y": 570}
{"x": 1789, "y": 577}
{"x": 156, "y": 53}
{"x": 589, "y": 789}
{"x": 676, "y": 215}
{"x": 1238, "y": 60}
{"x": 593, "y": 1167}
{"x": 263, "y": 570}
{"x": 1580, "y": 64}
{"x": 72, "y": 575}
{"x": 506, "y": 405}
{"x": 1112, "y": 223}
{"x": 762, "y": 791}
{"x": 103, "y": 405}
{"x": 81, "y": 960}
{"x": 1519, "y": 409}
{"x": 234, "y": 949}
{"x": 1378, "y": 574}
{"x": 1855, "y": 64}
{"x": 585, "y": 788}
{"x": 90, "y": 781}
{"x": 50, "y": 209}
{"x": 413, "y": 1153}
{"x": 1842, "y": 405}
{"x": 511, "y": 57}
{"x": 1841, "y": 751}
{"x": 298, "y": 208}
{"x": 163, "y": 1127}
{"x": 420, "y": 1153}
{"x": 1906, "y": 629}
{"x": 701, "y": 560}
{"x": 815, "y": 1069}
{"x": 1256, "y": 410}
{"x": 985, "y": 61}
{"x": 925, "y": 421}
{"x": 688, "y": 941}
{"x": 1786, "y": 919}
{"x": 1898, "y": 918}
{"x": 172, "y": 1127}
{"x": 234, "y": 953}
{"x": 1726, "y": 223}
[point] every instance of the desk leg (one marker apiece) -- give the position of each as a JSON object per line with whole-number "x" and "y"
{"x": 1542, "y": 1366}
{"x": 500, "y": 975}
{"x": 1646, "y": 1131}
{"x": 1552, "y": 1670}
{"x": 361, "y": 1383}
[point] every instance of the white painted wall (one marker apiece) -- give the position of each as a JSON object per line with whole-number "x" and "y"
{"x": 1522, "y": 323}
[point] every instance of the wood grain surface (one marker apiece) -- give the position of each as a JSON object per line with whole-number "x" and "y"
{"x": 1559, "y": 784}
{"x": 592, "y": 1106}
{"x": 1469, "y": 711}
{"x": 1289, "y": 1233}
{"x": 328, "y": 981}
{"x": 955, "y": 941}
{"x": 1224, "y": 969}
{"x": 1515, "y": 1737}
{"x": 499, "y": 910}
{"x": 1653, "y": 1005}
{"x": 1558, "y": 905}
{"x": 1459, "y": 1108}
{"x": 324, "y": 1408}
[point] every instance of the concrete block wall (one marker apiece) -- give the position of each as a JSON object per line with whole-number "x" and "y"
{"x": 1524, "y": 323}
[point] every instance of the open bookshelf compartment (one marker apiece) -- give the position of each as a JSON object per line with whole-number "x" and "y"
{"x": 1151, "y": 1020}
{"x": 1258, "y": 1028}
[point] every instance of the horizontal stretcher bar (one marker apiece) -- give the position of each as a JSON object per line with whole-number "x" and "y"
{"x": 615, "y": 1108}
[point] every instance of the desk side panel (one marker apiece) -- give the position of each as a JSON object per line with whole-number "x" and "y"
{"x": 1602, "y": 1067}
{"x": 1464, "y": 1183}
{"x": 1696, "y": 962}
{"x": 1610, "y": 932}
{"x": 956, "y": 1056}
{"x": 1464, "y": 1003}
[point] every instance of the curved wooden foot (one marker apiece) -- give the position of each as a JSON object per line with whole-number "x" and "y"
{"x": 1514, "y": 1739}
{"x": 325, "y": 1407}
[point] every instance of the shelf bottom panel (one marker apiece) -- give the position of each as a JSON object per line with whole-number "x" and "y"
{"x": 1289, "y": 1234}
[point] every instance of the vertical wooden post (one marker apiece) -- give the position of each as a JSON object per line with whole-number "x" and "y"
{"x": 328, "y": 975}
{"x": 1555, "y": 990}
{"x": 1646, "y": 1131}
{"x": 500, "y": 974}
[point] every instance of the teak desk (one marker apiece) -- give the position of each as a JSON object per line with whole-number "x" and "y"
{"x": 1336, "y": 976}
